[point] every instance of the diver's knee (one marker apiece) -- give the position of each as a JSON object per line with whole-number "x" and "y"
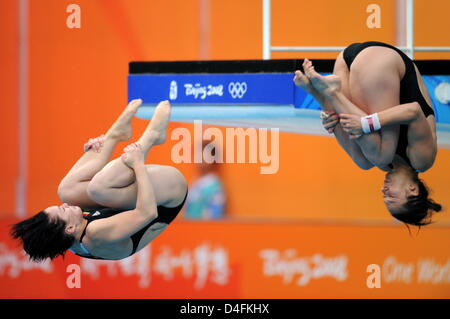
{"x": 95, "y": 190}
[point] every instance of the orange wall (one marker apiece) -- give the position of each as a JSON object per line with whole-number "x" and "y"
{"x": 77, "y": 87}
{"x": 8, "y": 106}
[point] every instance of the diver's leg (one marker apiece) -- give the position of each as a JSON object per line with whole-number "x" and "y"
{"x": 114, "y": 186}
{"x": 72, "y": 188}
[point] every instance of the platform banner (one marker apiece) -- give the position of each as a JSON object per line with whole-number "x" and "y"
{"x": 247, "y": 260}
{"x": 439, "y": 90}
{"x": 254, "y": 89}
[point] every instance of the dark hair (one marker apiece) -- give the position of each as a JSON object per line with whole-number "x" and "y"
{"x": 42, "y": 237}
{"x": 418, "y": 209}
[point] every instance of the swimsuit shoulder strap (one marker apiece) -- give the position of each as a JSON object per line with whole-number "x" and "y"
{"x": 84, "y": 230}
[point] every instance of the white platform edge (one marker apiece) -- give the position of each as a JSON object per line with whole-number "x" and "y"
{"x": 285, "y": 118}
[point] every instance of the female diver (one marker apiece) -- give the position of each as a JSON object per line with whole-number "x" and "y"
{"x": 111, "y": 210}
{"x": 378, "y": 107}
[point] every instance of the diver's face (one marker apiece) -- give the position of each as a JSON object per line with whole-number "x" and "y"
{"x": 72, "y": 215}
{"x": 397, "y": 187}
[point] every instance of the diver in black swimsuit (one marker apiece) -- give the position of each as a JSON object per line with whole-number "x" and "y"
{"x": 409, "y": 88}
{"x": 165, "y": 216}
{"x": 111, "y": 209}
{"x": 374, "y": 103}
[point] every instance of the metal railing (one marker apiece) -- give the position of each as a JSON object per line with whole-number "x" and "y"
{"x": 409, "y": 49}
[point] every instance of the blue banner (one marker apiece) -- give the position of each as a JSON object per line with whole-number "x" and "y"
{"x": 252, "y": 89}
{"x": 439, "y": 90}
{"x": 213, "y": 88}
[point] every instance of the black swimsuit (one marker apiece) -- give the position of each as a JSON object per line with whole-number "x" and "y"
{"x": 165, "y": 215}
{"x": 409, "y": 88}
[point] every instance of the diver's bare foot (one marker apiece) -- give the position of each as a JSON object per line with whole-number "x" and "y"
{"x": 326, "y": 85}
{"x": 302, "y": 81}
{"x": 155, "y": 133}
{"x": 121, "y": 129}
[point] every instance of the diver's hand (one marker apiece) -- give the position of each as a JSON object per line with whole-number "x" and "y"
{"x": 95, "y": 144}
{"x": 133, "y": 155}
{"x": 352, "y": 125}
{"x": 329, "y": 120}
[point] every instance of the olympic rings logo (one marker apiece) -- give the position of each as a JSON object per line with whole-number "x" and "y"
{"x": 237, "y": 89}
